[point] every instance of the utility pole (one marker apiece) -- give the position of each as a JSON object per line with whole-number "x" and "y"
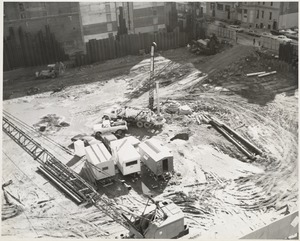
{"x": 151, "y": 91}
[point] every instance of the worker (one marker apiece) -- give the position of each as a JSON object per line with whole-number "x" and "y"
{"x": 254, "y": 41}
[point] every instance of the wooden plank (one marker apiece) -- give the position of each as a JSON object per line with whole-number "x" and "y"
{"x": 42, "y": 46}
{"x": 113, "y": 46}
{"x": 6, "y": 65}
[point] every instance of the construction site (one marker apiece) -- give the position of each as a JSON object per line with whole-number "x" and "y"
{"x": 165, "y": 144}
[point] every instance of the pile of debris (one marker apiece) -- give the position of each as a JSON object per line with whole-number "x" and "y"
{"x": 51, "y": 123}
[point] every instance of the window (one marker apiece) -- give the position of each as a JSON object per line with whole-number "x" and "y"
{"x": 271, "y": 3}
{"x": 261, "y": 25}
{"x": 245, "y": 11}
{"x": 131, "y": 163}
{"x": 220, "y": 6}
{"x": 104, "y": 168}
{"x": 212, "y": 5}
{"x": 108, "y": 17}
{"x": 257, "y": 14}
{"x": 107, "y": 8}
{"x": 262, "y": 14}
{"x": 227, "y": 8}
{"x": 21, "y": 7}
{"x": 154, "y": 12}
{"x": 256, "y": 25}
{"x": 263, "y": 3}
{"x": 269, "y": 26}
{"x": 109, "y": 27}
{"x": 270, "y": 17}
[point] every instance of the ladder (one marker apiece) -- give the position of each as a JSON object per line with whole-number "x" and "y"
{"x": 68, "y": 180}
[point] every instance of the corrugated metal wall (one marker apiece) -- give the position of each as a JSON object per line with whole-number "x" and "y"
{"x": 110, "y": 48}
{"x": 26, "y": 49}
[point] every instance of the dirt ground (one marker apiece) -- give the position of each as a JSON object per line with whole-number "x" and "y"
{"x": 222, "y": 194}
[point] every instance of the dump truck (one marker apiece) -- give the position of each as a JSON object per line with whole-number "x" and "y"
{"x": 140, "y": 117}
{"x": 163, "y": 220}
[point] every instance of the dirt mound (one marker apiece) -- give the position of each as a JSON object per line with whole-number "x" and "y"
{"x": 51, "y": 123}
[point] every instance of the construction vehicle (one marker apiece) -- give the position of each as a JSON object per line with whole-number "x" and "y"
{"x": 205, "y": 46}
{"x": 52, "y": 71}
{"x": 110, "y": 126}
{"x": 140, "y": 117}
{"x": 163, "y": 220}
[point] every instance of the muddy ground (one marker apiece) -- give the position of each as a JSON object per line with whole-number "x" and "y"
{"x": 221, "y": 192}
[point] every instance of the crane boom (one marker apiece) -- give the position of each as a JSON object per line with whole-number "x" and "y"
{"x": 68, "y": 180}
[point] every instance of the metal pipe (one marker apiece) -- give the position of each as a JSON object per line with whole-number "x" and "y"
{"x": 239, "y": 146}
{"x": 157, "y": 96}
{"x": 266, "y": 74}
{"x": 61, "y": 185}
{"x": 243, "y": 139}
{"x": 257, "y": 73}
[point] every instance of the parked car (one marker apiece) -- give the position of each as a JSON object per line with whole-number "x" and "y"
{"x": 266, "y": 34}
{"x": 283, "y": 39}
{"x": 237, "y": 28}
{"x": 253, "y": 33}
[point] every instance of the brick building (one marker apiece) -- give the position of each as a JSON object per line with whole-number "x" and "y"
{"x": 63, "y": 19}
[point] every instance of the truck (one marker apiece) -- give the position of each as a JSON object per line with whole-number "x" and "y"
{"x": 118, "y": 127}
{"x": 140, "y": 117}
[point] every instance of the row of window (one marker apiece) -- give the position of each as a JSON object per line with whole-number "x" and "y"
{"x": 263, "y": 3}
{"x": 262, "y": 14}
{"x": 258, "y": 3}
{"x": 261, "y": 25}
{"x": 221, "y": 7}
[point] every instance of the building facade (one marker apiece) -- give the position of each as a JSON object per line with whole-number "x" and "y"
{"x": 63, "y": 19}
{"x": 99, "y": 19}
{"x": 260, "y": 15}
{"x": 288, "y": 15}
{"x": 222, "y": 10}
{"x": 149, "y": 16}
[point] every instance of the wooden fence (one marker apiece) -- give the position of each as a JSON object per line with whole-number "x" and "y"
{"x": 132, "y": 44}
{"x": 24, "y": 49}
{"x": 221, "y": 32}
{"x": 269, "y": 43}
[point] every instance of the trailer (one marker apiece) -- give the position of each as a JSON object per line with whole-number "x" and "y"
{"x": 100, "y": 161}
{"x": 139, "y": 117}
{"x": 157, "y": 157}
{"x": 106, "y": 139}
{"x": 126, "y": 157}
